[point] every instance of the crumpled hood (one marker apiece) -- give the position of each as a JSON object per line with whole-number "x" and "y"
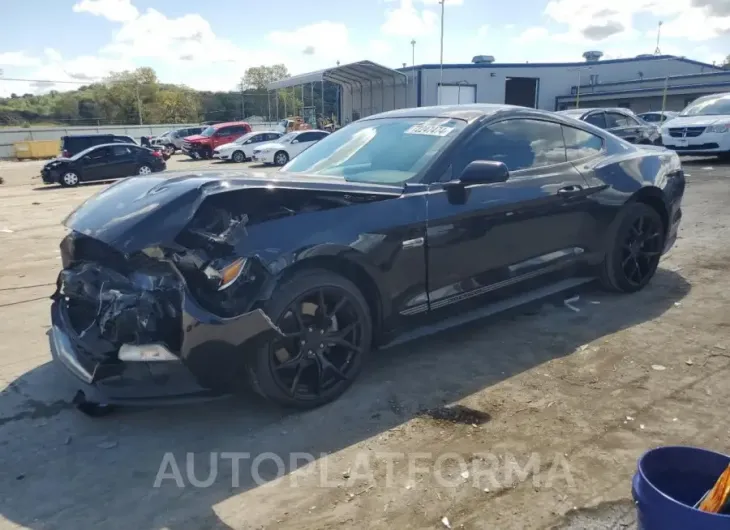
{"x": 197, "y": 138}
{"x": 142, "y": 212}
{"x": 695, "y": 121}
{"x": 57, "y": 161}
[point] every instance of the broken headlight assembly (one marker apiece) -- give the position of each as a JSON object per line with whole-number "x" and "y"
{"x": 222, "y": 273}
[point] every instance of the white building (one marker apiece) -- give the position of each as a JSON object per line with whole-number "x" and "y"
{"x": 368, "y": 88}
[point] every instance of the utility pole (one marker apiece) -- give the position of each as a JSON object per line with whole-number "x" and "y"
{"x": 268, "y": 101}
{"x": 413, "y": 64}
{"x": 658, "y": 36}
{"x": 139, "y": 102}
{"x": 441, "y": 82}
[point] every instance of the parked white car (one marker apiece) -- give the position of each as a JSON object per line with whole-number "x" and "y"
{"x": 657, "y": 116}
{"x": 287, "y": 147}
{"x": 242, "y": 149}
{"x": 702, "y": 128}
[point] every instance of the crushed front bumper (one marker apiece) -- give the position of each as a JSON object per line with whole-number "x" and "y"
{"x": 212, "y": 354}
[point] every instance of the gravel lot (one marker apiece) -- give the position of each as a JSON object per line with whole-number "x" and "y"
{"x": 531, "y": 420}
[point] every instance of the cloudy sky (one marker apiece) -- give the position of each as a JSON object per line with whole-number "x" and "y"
{"x": 208, "y": 45}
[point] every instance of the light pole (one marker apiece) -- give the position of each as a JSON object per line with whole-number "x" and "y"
{"x": 413, "y": 64}
{"x": 658, "y": 36}
{"x": 441, "y": 82}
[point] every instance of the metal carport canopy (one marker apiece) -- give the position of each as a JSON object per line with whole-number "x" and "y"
{"x": 351, "y": 74}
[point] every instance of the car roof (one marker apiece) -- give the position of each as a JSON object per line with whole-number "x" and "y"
{"x": 227, "y": 123}
{"x": 583, "y": 112}
{"x": 306, "y": 131}
{"x": 114, "y": 144}
{"x": 96, "y": 135}
{"x": 463, "y": 112}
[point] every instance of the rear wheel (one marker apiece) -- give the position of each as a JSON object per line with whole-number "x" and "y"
{"x": 637, "y": 240}
{"x": 239, "y": 157}
{"x": 69, "y": 179}
{"x": 281, "y": 158}
{"x": 327, "y": 333}
{"x": 144, "y": 170}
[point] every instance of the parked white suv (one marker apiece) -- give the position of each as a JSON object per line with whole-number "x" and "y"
{"x": 242, "y": 149}
{"x": 702, "y": 128}
{"x": 287, "y": 147}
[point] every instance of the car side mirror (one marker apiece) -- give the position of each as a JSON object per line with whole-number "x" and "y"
{"x": 476, "y": 172}
{"x": 295, "y": 141}
{"x": 484, "y": 172}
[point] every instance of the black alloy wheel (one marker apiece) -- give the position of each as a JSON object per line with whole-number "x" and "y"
{"x": 637, "y": 248}
{"x": 326, "y": 330}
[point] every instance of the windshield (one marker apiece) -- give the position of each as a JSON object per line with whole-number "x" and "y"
{"x": 286, "y": 138}
{"x": 573, "y": 113}
{"x": 243, "y": 138}
{"x": 208, "y": 132}
{"x": 708, "y": 106}
{"x": 385, "y": 151}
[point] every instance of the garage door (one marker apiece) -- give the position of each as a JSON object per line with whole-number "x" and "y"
{"x": 457, "y": 94}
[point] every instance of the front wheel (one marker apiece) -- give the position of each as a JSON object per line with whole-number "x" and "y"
{"x": 239, "y": 157}
{"x": 69, "y": 179}
{"x": 636, "y": 243}
{"x": 281, "y": 158}
{"x": 327, "y": 332}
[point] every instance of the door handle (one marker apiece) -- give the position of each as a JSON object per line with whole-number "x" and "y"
{"x": 570, "y": 191}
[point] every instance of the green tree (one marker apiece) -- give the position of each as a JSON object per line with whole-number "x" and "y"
{"x": 178, "y": 105}
{"x": 259, "y": 77}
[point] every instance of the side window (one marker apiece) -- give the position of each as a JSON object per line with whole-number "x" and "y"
{"x": 223, "y": 131}
{"x": 257, "y": 138}
{"x": 519, "y": 143}
{"x": 237, "y": 129}
{"x": 652, "y": 118}
{"x": 598, "y": 119}
{"x": 633, "y": 121}
{"x": 320, "y": 135}
{"x": 616, "y": 120}
{"x": 273, "y": 136}
{"x": 580, "y": 144}
{"x": 102, "y": 152}
{"x": 306, "y": 137}
{"x": 121, "y": 150}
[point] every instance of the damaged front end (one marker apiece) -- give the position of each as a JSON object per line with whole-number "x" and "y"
{"x": 159, "y": 324}
{"x": 163, "y": 280}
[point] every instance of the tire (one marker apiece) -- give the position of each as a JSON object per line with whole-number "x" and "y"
{"x": 69, "y": 179}
{"x": 170, "y": 148}
{"x": 238, "y": 157}
{"x": 618, "y": 270}
{"x": 281, "y": 158}
{"x": 268, "y": 369}
{"x": 207, "y": 154}
{"x": 144, "y": 169}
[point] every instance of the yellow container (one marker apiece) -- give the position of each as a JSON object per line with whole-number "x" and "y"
{"x": 37, "y": 149}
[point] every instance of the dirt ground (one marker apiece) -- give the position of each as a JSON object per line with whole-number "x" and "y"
{"x": 527, "y": 421}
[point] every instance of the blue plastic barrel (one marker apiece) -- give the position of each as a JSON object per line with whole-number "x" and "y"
{"x": 668, "y": 483}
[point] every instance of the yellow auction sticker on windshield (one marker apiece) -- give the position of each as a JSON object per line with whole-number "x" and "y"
{"x": 429, "y": 130}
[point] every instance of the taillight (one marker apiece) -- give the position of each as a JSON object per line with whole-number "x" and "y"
{"x": 66, "y": 154}
{"x": 157, "y": 154}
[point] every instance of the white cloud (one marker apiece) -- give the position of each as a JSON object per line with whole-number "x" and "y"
{"x": 114, "y": 10}
{"x": 438, "y": 2}
{"x": 407, "y": 21}
{"x": 20, "y": 58}
{"x": 53, "y": 55}
{"x": 326, "y": 40}
{"x": 532, "y": 34}
{"x": 591, "y": 21}
{"x": 697, "y": 24}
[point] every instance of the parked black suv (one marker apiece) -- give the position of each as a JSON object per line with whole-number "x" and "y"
{"x": 70, "y": 145}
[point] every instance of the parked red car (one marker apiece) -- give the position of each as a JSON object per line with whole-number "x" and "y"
{"x": 202, "y": 145}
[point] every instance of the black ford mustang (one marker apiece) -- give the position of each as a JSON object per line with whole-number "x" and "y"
{"x": 395, "y": 225}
